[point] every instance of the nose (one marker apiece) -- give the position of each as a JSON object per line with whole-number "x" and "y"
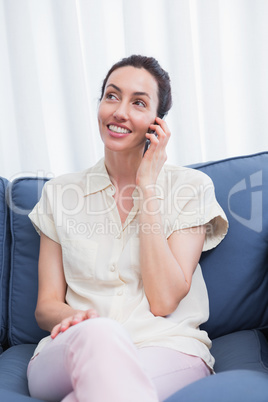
{"x": 121, "y": 112}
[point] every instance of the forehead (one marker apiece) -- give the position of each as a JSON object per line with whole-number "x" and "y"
{"x": 131, "y": 79}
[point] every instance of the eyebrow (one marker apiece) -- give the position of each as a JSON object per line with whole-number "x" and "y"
{"x": 138, "y": 93}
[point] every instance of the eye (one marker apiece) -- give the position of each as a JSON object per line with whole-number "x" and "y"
{"x": 111, "y": 96}
{"x": 140, "y": 103}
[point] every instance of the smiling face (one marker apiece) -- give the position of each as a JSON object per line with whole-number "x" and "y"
{"x": 127, "y": 108}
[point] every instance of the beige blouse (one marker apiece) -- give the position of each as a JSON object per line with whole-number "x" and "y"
{"x": 101, "y": 257}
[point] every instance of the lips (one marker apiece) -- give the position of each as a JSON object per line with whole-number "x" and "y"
{"x": 118, "y": 131}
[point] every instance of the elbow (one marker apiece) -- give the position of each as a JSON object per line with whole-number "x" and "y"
{"x": 39, "y": 316}
{"x": 164, "y": 308}
{"x": 161, "y": 311}
{"x": 167, "y": 305}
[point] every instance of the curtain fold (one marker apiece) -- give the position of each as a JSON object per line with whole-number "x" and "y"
{"x": 55, "y": 54}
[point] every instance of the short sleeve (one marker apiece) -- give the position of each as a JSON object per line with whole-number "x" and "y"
{"x": 197, "y": 205}
{"x": 42, "y": 214}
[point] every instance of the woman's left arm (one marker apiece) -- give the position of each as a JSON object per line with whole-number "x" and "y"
{"x": 167, "y": 265}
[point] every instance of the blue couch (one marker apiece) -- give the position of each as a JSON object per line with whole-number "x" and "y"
{"x": 236, "y": 273}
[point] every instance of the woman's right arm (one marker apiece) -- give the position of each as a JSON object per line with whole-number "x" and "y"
{"x": 52, "y": 312}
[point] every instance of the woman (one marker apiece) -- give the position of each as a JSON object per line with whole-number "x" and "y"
{"x": 120, "y": 287}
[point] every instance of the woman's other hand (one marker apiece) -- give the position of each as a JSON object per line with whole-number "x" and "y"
{"x": 76, "y": 318}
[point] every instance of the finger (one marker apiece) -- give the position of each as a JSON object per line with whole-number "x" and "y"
{"x": 161, "y": 122}
{"x": 160, "y": 141}
{"x": 152, "y": 137}
{"x": 153, "y": 145}
{"x": 65, "y": 325}
{"x": 55, "y": 331}
{"x": 164, "y": 127}
{"x": 160, "y": 133}
{"x": 77, "y": 318}
{"x": 91, "y": 313}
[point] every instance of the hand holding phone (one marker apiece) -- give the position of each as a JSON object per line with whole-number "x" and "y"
{"x": 152, "y": 163}
{"x": 148, "y": 142}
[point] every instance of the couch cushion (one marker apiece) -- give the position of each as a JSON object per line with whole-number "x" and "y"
{"x": 4, "y": 261}
{"x": 23, "y": 194}
{"x": 236, "y": 272}
{"x": 230, "y": 386}
{"x": 13, "y": 368}
{"x": 10, "y": 396}
{"x": 243, "y": 350}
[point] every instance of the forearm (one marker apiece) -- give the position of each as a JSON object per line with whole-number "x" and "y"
{"x": 49, "y": 313}
{"x": 163, "y": 279}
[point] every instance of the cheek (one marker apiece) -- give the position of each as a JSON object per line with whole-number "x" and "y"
{"x": 100, "y": 113}
{"x": 143, "y": 122}
{"x": 101, "y": 120}
{"x": 103, "y": 111}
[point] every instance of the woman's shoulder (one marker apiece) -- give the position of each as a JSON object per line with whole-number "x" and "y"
{"x": 67, "y": 178}
{"x": 183, "y": 174}
{"x": 79, "y": 178}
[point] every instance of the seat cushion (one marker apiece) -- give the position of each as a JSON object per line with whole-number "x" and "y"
{"x": 231, "y": 386}
{"x": 23, "y": 194}
{"x": 13, "y": 379}
{"x": 9, "y": 396}
{"x": 245, "y": 350}
{"x": 4, "y": 261}
{"x": 13, "y": 368}
{"x": 236, "y": 271}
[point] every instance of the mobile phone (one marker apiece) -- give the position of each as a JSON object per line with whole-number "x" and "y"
{"x": 148, "y": 142}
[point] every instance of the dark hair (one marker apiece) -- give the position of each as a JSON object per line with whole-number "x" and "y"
{"x": 153, "y": 67}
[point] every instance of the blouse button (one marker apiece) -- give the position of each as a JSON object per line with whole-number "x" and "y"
{"x": 112, "y": 190}
{"x": 120, "y": 293}
{"x": 112, "y": 268}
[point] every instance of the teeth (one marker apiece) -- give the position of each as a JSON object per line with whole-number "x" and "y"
{"x": 117, "y": 129}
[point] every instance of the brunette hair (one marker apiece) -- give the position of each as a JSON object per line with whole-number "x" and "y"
{"x": 153, "y": 67}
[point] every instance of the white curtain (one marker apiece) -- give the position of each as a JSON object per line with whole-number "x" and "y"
{"x": 54, "y": 55}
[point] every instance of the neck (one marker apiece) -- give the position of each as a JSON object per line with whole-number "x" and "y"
{"x": 122, "y": 167}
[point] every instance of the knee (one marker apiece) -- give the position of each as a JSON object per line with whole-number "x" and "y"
{"x": 99, "y": 338}
{"x": 102, "y": 331}
{"x": 102, "y": 328}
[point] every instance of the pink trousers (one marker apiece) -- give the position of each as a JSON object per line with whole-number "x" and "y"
{"x": 96, "y": 361}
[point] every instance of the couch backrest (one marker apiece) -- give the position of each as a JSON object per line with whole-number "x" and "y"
{"x": 4, "y": 261}
{"x": 23, "y": 194}
{"x": 236, "y": 272}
